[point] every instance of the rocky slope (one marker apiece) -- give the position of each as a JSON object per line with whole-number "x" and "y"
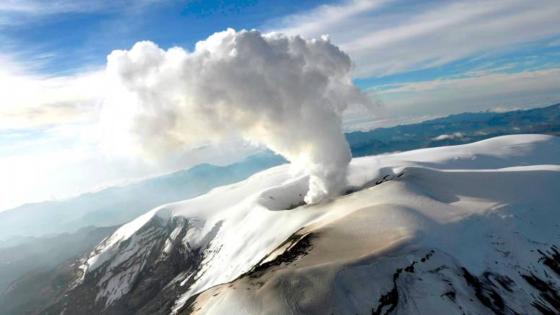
{"x": 469, "y": 229}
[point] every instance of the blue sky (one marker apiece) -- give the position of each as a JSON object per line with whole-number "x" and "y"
{"x": 83, "y": 37}
{"x": 419, "y": 59}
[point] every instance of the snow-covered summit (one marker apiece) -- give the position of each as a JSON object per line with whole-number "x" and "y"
{"x": 460, "y": 229}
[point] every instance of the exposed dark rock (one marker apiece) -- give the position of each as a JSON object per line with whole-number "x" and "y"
{"x": 504, "y": 281}
{"x": 296, "y": 245}
{"x": 374, "y": 182}
{"x": 155, "y": 287}
{"x": 299, "y": 245}
{"x": 549, "y": 302}
{"x": 551, "y": 259}
{"x": 390, "y": 299}
{"x": 450, "y": 295}
{"x": 485, "y": 293}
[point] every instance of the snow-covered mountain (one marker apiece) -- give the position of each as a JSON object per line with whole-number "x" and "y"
{"x": 468, "y": 229}
{"x": 119, "y": 204}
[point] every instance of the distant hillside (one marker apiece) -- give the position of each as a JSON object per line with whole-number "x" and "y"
{"x": 40, "y": 260}
{"x": 120, "y": 204}
{"x": 456, "y": 129}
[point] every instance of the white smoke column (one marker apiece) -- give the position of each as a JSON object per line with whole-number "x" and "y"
{"x": 287, "y": 93}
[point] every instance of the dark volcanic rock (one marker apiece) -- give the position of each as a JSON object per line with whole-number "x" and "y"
{"x": 156, "y": 277}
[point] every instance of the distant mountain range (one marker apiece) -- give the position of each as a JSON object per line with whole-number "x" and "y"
{"x": 456, "y": 129}
{"x": 35, "y": 272}
{"x": 117, "y": 205}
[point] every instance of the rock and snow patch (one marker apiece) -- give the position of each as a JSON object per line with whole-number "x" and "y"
{"x": 489, "y": 208}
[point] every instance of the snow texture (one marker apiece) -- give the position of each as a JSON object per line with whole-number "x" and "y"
{"x": 490, "y": 205}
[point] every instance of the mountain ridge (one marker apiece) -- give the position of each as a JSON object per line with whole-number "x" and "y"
{"x": 444, "y": 228}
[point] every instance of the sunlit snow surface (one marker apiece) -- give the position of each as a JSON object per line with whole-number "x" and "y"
{"x": 467, "y": 202}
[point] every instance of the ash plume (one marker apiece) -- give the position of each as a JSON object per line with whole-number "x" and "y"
{"x": 285, "y": 92}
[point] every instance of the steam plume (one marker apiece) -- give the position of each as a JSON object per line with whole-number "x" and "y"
{"x": 287, "y": 93}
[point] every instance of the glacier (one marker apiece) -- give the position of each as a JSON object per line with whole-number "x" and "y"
{"x": 472, "y": 228}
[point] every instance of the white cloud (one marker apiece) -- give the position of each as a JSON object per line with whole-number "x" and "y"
{"x": 455, "y": 135}
{"x": 325, "y": 17}
{"x": 50, "y": 139}
{"x": 476, "y": 93}
{"x": 65, "y": 160}
{"x": 284, "y": 92}
{"x": 30, "y": 100}
{"x": 41, "y": 7}
{"x": 427, "y": 34}
{"x": 15, "y": 12}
